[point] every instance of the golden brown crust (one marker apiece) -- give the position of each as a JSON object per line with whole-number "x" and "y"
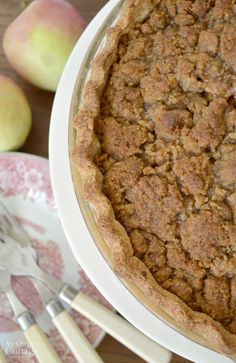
{"x": 115, "y": 235}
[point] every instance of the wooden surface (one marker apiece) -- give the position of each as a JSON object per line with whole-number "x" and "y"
{"x": 37, "y": 143}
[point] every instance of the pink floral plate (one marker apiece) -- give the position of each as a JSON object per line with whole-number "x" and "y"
{"x": 25, "y": 188}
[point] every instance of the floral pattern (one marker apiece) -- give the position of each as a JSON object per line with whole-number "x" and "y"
{"x": 61, "y": 347}
{"x": 25, "y": 176}
{"x": 49, "y": 258}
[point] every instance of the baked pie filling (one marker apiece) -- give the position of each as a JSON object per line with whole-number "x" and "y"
{"x": 167, "y": 133}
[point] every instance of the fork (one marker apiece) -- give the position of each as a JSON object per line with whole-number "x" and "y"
{"x": 69, "y": 330}
{"x": 19, "y": 261}
{"x": 38, "y": 341}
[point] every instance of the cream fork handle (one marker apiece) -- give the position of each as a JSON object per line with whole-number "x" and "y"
{"x": 36, "y": 338}
{"x": 71, "y": 333}
{"x": 40, "y": 345}
{"x": 2, "y": 357}
{"x": 117, "y": 327}
{"x": 75, "y": 339}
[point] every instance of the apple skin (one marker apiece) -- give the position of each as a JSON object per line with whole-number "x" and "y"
{"x": 39, "y": 41}
{"x": 15, "y": 115}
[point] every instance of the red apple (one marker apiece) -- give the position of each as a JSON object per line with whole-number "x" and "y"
{"x": 39, "y": 41}
{"x": 15, "y": 115}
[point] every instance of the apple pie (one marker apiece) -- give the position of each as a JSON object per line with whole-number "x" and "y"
{"x": 156, "y": 151}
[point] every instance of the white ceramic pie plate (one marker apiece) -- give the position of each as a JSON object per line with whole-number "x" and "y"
{"x": 78, "y": 235}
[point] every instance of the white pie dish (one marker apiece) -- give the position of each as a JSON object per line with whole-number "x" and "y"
{"x": 72, "y": 218}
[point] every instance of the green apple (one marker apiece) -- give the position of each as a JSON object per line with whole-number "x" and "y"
{"x": 15, "y": 115}
{"x": 39, "y": 41}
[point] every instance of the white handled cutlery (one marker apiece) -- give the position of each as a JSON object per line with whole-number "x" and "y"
{"x": 37, "y": 340}
{"x": 69, "y": 330}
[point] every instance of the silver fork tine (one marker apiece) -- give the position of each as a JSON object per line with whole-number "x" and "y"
{"x": 3, "y": 224}
{"x": 9, "y": 223}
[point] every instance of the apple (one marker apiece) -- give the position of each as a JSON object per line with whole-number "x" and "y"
{"x": 39, "y": 41}
{"x": 15, "y": 115}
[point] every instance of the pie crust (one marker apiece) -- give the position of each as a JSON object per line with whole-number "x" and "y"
{"x": 200, "y": 241}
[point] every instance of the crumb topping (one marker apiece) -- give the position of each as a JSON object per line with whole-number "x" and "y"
{"x": 167, "y": 130}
